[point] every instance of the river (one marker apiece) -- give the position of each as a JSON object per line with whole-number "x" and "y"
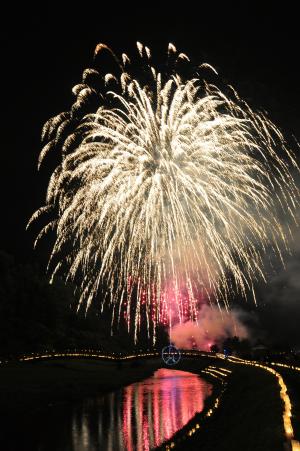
{"x": 138, "y": 417}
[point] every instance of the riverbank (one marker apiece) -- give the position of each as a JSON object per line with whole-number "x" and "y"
{"x": 249, "y": 416}
{"x": 28, "y": 390}
{"x": 27, "y": 387}
{"x": 292, "y": 380}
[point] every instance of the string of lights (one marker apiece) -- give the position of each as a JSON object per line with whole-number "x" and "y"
{"x": 284, "y": 365}
{"x": 218, "y": 373}
{"x": 195, "y": 427}
{"x": 287, "y": 411}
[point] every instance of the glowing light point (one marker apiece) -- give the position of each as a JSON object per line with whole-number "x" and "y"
{"x": 170, "y": 355}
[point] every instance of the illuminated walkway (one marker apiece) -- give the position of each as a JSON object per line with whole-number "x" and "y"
{"x": 287, "y": 409}
{"x": 220, "y": 368}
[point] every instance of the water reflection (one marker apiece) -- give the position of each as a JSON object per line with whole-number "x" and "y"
{"x": 141, "y": 416}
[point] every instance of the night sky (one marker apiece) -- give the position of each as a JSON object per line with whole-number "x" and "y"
{"x": 45, "y": 51}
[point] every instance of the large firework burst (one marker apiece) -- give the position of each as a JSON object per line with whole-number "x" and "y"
{"x": 168, "y": 189}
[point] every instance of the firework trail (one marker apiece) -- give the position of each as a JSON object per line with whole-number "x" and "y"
{"x": 168, "y": 190}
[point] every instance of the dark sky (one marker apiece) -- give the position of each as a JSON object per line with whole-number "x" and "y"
{"x": 254, "y": 48}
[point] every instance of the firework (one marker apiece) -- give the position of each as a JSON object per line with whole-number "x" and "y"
{"x": 168, "y": 190}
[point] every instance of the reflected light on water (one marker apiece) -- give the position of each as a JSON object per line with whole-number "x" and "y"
{"x": 141, "y": 416}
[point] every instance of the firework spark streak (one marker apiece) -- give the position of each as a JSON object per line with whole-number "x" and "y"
{"x": 167, "y": 191}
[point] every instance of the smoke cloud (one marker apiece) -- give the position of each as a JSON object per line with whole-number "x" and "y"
{"x": 279, "y": 303}
{"x": 214, "y": 325}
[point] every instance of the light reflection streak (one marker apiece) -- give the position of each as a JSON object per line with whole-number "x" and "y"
{"x": 150, "y": 411}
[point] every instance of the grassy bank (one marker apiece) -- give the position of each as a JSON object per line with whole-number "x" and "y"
{"x": 26, "y": 388}
{"x": 249, "y": 416}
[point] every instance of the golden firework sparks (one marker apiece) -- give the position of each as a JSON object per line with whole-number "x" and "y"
{"x": 169, "y": 183}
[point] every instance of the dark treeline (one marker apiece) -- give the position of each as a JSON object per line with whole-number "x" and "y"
{"x": 36, "y": 316}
